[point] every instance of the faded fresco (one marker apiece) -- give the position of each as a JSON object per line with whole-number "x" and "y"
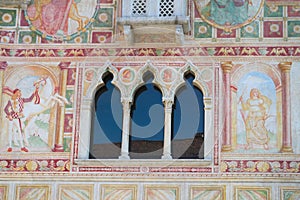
{"x": 229, "y": 14}
{"x": 29, "y": 110}
{"x": 256, "y": 113}
{"x": 59, "y": 18}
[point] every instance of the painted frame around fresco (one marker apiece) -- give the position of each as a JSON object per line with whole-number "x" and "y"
{"x": 81, "y": 191}
{"x": 207, "y": 190}
{"x": 167, "y": 188}
{"x": 265, "y": 191}
{"x": 289, "y": 192}
{"x": 21, "y": 190}
{"x": 116, "y": 187}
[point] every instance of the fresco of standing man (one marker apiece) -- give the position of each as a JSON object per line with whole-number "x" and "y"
{"x": 14, "y": 113}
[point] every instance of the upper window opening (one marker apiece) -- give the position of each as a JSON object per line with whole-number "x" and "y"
{"x": 163, "y": 8}
{"x": 107, "y": 124}
{"x": 154, "y": 8}
{"x": 139, "y": 7}
{"x": 188, "y": 122}
{"x": 147, "y": 124}
{"x": 166, "y": 8}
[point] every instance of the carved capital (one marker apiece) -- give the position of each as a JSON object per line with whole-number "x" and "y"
{"x": 207, "y": 103}
{"x": 168, "y": 104}
{"x": 226, "y": 66}
{"x": 285, "y": 66}
{"x": 64, "y": 65}
{"x": 126, "y": 102}
{"x": 226, "y": 148}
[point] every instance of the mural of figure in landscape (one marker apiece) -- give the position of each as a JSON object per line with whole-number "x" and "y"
{"x": 58, "y": 17}
{"x": 257, "y": 108}
{"x": 256, "y": 113}
{"x": 29, "y": 109}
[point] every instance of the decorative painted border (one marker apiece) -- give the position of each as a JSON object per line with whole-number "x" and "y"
{"x": 255, "y": 192}
{"x": 39, "y": 165}
{"x": 24, "y": 192}
{"x": 143, "y": 169}
{"x": 118, "y": 191}
{"x": 283, "y": 2}
{"x": 241, "y": 51}
{"x": 161, "y": 195}
{"x": 82, "y": 192}
{"x": 206, "y": 192}
{"x": 260, "y": 166}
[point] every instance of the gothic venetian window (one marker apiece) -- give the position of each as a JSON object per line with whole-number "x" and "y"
{"x": 188, "y": 121}
{"x": 146, "y": 138}
{"x": 147, "y": 122}
{"x": 107, "y": 124}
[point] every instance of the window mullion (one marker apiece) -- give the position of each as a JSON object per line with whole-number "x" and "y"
{"x": 167, "y": 130}
{"x": 126, "y": 129}
{"x": 152, "y": 8}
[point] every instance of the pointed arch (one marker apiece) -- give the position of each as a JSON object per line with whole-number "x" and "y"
{"x": 191, "y": 68}
{"x": 146, "y": 69}
{"x": 97, "y": 82}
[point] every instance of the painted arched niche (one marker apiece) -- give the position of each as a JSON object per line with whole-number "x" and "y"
{"x": 256, "y": 109}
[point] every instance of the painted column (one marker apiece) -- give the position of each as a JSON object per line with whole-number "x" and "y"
{"x": 58, "y": 146}
{"x": 125, "y": 129}
{"x": 208, "y": 128}
{"x": 3, "y": 66}
{"x": 226, "y": 144}
{"x": 285, "y": 68}
{"x": 167, "y": 130}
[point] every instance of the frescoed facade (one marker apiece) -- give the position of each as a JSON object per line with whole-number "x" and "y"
{"x": 224, "y": 76}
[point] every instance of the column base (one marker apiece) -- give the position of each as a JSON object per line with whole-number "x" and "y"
{"x": 58, "y": 148}
{"x": 286, "y": 149}
{"x": 124, "y": 156}
{"x": 226, "y": 148}
{"x": 167, "y": 157}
